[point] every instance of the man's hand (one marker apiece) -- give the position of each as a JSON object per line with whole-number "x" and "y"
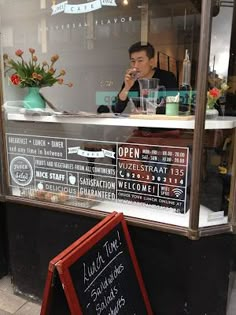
{"x": 130, "y": 78}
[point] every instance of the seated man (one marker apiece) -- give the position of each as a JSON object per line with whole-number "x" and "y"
{"x": 142, "y": 66}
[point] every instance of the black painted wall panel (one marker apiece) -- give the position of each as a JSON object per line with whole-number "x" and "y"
{"x": 181, "y": 276}
{"x": 3, "y": 242}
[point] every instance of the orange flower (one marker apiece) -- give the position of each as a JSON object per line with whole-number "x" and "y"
{"x": 19, "y": 52}
{"x": 60, "y": 81}
{"x": 51, "y": 70}
{"x": 39, "y": 77}
{"x": 15, "y": 79}
{"x": 54, "y": 58}
{"x": 214, "y": 93}
{"x": 32, "y": 50}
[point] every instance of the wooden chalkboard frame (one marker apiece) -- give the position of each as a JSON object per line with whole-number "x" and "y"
{"x": 90, "y": 241}
{"x": 52, "y": 275}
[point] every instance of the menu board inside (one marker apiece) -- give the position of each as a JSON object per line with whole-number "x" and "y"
{"x": 78, "y": 171}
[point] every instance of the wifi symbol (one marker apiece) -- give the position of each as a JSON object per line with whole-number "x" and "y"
{"x": 177, "y": 191}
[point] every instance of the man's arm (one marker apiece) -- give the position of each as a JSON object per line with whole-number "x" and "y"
{"x": 121, "y": 100}
{"x": 122, "y": 97}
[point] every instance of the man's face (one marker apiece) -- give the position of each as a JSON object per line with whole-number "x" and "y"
{"x": 143, "y": 65}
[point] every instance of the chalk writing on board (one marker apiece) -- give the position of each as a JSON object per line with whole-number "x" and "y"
{"x": 108, "y": 284}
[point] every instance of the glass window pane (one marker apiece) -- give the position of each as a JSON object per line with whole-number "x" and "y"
{"x": 136, "y": 162}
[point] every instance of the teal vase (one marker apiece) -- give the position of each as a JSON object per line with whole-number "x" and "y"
{"x": 33, "y": 99}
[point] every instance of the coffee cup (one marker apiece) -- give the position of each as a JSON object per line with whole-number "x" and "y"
{"x": 172, "y": 108}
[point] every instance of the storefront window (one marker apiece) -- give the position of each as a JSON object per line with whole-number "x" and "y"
{"x": 81, "y": 151}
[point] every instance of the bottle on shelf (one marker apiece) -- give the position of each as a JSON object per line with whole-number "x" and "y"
{"x": 185, "y": 88}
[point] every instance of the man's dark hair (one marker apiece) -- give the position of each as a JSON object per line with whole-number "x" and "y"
{"x": 150, "y": 51}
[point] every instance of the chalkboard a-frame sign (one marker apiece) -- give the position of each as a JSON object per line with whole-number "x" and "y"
{"x": 54, "y": 299}
{"x": 101, "y": 275}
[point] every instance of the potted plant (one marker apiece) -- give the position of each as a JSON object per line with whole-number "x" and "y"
{"x": 212, "y": 96}
{"x": 33, "y": 75}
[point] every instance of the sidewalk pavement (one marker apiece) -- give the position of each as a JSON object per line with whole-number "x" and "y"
{"x": 14, "y": 304}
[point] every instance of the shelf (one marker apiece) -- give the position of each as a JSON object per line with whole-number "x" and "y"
{"x": 219, "y": 123}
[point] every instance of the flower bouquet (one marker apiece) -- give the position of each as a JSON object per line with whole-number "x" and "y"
{"x": 33, "y": 75}
{"x": 214, "y": 94}
{"x": 212, "y": 97}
